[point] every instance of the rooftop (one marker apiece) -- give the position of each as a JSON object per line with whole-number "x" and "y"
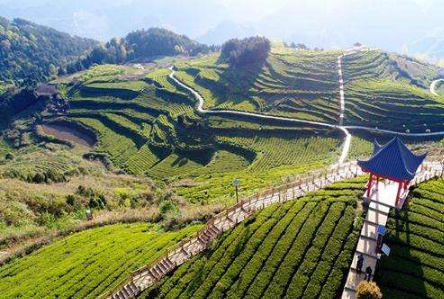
{"x": 393, "y": 161}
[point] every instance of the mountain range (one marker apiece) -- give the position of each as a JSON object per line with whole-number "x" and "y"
{"x": 411, "y": 26}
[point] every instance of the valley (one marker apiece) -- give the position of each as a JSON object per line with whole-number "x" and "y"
{"x": 132, "y": 156}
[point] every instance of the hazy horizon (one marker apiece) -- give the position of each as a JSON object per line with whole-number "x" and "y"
{"x": 410, "y": 26}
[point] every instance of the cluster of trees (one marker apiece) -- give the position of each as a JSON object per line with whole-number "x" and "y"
{"x": 239, "y": 52}
{"x": 296, "y": 46}
{"x": 140, "y": 45}
{"x": 30, "y": 53}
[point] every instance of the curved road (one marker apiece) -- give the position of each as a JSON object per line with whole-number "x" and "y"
{"x": 344, "y": 129}
{"x": 433, "y": 86}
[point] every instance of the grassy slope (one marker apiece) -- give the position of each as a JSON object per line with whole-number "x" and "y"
{"x": 300, "y": 84}
{"x": 86, "y": 264}
{"x": 142, "y": 133}
{"x": 415, "y": 268}
{"x": 381, "y": 92}
{"x": 300, "y": 249}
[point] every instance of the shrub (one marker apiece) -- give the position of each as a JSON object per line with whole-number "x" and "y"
{"x": 368, "y": 290}
{"x": 168, "y": 206}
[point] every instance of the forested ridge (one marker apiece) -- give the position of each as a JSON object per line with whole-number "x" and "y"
{"x": 31, "y": 53}
{"x": 140, "y": 45}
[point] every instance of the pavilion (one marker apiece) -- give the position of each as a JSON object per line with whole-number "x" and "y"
{"x": 392, "y": 161}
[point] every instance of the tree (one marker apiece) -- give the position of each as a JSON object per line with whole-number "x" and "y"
{"x": 368, "y": 290}
{"x": 239, "y": 52}
{"x": 140, "y": 45}
{"x": 30, "y": 53}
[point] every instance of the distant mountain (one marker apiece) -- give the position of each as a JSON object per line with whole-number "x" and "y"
{"x": 392, "y": 25}
{"x": 103, "y": 19}
{"x": 30, "y": 53}
{"x": 225, "y": 31}
{"x": 430, "y": 47}
{"x": 140, "y": 45}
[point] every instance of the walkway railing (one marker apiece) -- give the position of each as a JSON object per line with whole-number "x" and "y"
{"x": 378, "y": 214}
{"x": 145, "y": 277}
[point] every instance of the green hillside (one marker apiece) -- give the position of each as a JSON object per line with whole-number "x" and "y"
{"x": 415, "y": 268}
{"x": 140, "y": 45}
{"x": 301, "y": 84}
{"x": 304, "y": 84}
{"x": 148, "y": 126}
{"x": 86, "y": 264}
{"x": 300, "y": 249}
{"x": 30, "y": 53}
{"x": 376, "y": 87}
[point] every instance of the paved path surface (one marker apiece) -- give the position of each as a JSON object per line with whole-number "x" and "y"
{"x": 379, "y": 208}
{"x": 184, "y": 251}
{"x": 345, "y": 129}
{"x": 433, "y": 86}
{"x": 381, "y": 200}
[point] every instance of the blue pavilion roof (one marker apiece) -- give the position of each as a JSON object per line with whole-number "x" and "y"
{"x": 393, "y": 161}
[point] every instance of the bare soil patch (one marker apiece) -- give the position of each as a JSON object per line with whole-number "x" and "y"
{"x": 66, "y": 133}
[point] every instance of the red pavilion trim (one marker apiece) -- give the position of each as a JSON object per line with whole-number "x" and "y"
{"x": 392, "y": 161}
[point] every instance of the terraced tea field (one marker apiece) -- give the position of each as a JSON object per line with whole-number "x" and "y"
{"x": 300, "y": 249}
{"x": 156, "y": 132}
{"x": 299, "y": 84}
{"x": 86, "y": 264}
{"x": 34, "y": 164}
{"x": 381, "y": 94}
{"x": 415, "y": 267}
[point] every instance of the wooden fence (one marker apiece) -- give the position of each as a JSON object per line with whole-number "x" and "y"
{"x": 145, "y": 277}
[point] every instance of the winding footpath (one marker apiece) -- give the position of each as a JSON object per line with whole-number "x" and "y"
{"x": 433, "y": 86}
{"x": 185, "y": 250}
{"x": 200, "y": 108}
{"x": 344, "y": 129}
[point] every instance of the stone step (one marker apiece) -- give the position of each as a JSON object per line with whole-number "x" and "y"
{"x": 366, "y": 247}
{"x": 379, "y": 209}
{"x": 369, "y": 230}
{"x": 377, "y": 205}
{"x": 348, "y": 294}
{"x": 376, "y": 217}
{"x": 133, "y": 288}
{"x": 368, "y": 261}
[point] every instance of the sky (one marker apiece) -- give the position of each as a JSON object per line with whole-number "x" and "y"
{"x": 412, "y": 26}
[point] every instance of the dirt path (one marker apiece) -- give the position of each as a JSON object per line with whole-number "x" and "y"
{"x": 66, "y": 133}
{"x": 345, "y": 129}
{"x": 433, "y": 87}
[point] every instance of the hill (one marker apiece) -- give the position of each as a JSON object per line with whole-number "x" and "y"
{"x": 304, "y": 84}
{"x": 377, "y": 84}
{"x": 84, "y": 265}
{"x": 147, "y": 125}
{"x": 415, "y": 266}
{"x": 139, "y": 46}
{"x": 30, "y": 53}
{"x": 299, "y": 249}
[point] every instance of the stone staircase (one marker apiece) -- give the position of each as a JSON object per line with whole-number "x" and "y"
{"x": 381, "y": 201}
{"x": 186, "y": 249}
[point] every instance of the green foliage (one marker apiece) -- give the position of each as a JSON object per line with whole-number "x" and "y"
{"x": 36, "y": 165}
{"x": 246, "y": 51}
{"x": 301, "y": 84}
{"x": 140, "y": 45}
{"x": 376, "y": 86}
{"x": 301, "y": 249}
{"x": 415, "y": 266}
{"x": 156, "y": 132}
{"x": 29, "y": 52}
{"x": 86, "y": 264}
